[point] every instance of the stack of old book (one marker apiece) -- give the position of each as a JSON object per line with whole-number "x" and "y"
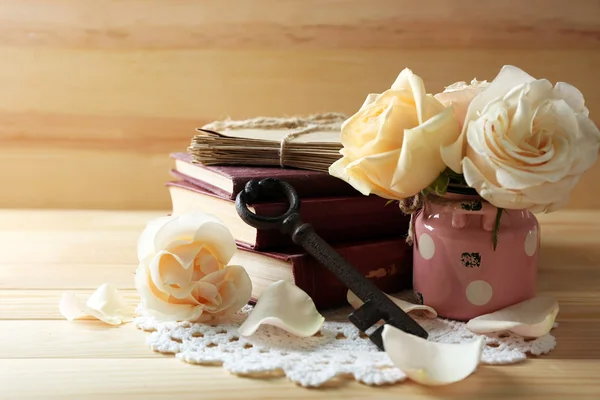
{"x": 364, "y": 230}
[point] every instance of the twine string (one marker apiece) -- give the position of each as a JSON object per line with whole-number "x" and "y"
{"x": 289, "y": 137}
{"x": 327, "y": 121}
{"x": 410, "y": 206}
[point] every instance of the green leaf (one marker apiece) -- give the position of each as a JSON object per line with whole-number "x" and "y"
{"x": 440, "y": 185}
{"x": 448, "y": 172}
{"x": 497, "y": 227}
{"x": 454, "y": 178}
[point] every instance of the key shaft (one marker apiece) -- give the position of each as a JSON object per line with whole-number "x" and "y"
{"x": 304, "y": 235}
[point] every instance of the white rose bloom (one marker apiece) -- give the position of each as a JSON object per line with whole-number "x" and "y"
{"x": 183, "y": 273}
{"x": 525, "y": 143}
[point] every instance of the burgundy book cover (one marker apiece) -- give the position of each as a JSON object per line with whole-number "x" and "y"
{"x": 306, "y": 183}
{"x": 387, "y": 263}
{"x": 335, "y": 219}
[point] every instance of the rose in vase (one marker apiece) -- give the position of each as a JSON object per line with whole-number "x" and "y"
{"x": 183, "y": 273}
{"x": 459, "y": 95}
{"x": 392, "y": 144}
{"x": 525, "y": 143}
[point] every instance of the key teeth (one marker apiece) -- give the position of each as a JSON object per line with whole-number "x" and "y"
{"x": 376, "y": 337}
{"x": 361, "y": 324}
{"x": 365, "y": 316}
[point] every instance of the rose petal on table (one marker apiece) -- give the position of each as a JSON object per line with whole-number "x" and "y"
{"x": 109, "y": 305}
{"x": 406, "y": 306}
{"x": 431, "y": 363}
{"x": 70, "y": 307}
{"x": 285, "y": 306}
{"x": 530, "y": 318}
{"x": 105, "y": 304}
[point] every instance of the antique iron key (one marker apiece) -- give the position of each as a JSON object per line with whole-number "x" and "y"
{"x": 377, "y": 306}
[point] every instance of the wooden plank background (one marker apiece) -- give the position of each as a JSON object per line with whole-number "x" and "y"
{"x": 95, "y": 94}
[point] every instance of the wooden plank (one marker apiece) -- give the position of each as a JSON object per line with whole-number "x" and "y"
{"x": 89, "y": 221}
{"x": 66, "y": 276}
{"x": 84, "y": 179}
{"x": 71, "y": 237}
{"x": 36, "y": 304}
{"x": 43, "y": 304}
{"x": 301, "y": 24}
{"x": 167, "y": 378}
{"x": 76, "y": 339}
{"x": 199, "y": 85}
{"x": 149, "y": 135}
{"x": 568, "y": 279}
{"x": 577, "y": 340}
{"x": 68, "y": 247}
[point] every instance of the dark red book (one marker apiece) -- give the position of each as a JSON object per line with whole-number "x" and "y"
{"x": 387, "y": 263}
{"x": 335, "y": 219}
{"x": 228, "y": 181}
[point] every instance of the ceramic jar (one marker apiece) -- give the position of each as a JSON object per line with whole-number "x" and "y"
{"x": 456, "y": 269}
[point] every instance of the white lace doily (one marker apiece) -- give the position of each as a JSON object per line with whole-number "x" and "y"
{"x": 339, "y": 350}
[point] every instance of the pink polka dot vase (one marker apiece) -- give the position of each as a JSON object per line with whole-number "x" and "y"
{"x": 456, "y": 269}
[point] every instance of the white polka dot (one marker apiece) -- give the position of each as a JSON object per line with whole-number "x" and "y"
{"x": 426, "y": 246}
{"x": 531, "y": 242}
{"x": 479, "y": 293}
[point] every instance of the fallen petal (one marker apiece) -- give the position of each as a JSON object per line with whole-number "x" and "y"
{"x": 431, "y": 363}
{"x": 285, "y": 306}
{"x": 406, "y": 306}
{"x": 70, "y": 306}
{"x": 105, "y": 304}
{"x": 530, "y": 318}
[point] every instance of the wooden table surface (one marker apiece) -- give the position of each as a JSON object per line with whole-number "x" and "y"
{"x": 42, "y": 356}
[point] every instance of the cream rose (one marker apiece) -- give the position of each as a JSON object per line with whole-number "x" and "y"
{"x": 392, "y": 144}
{"x": 183, "y": 273}
{"x": 525, "y": 143}
{"x": 459, "y": 95}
